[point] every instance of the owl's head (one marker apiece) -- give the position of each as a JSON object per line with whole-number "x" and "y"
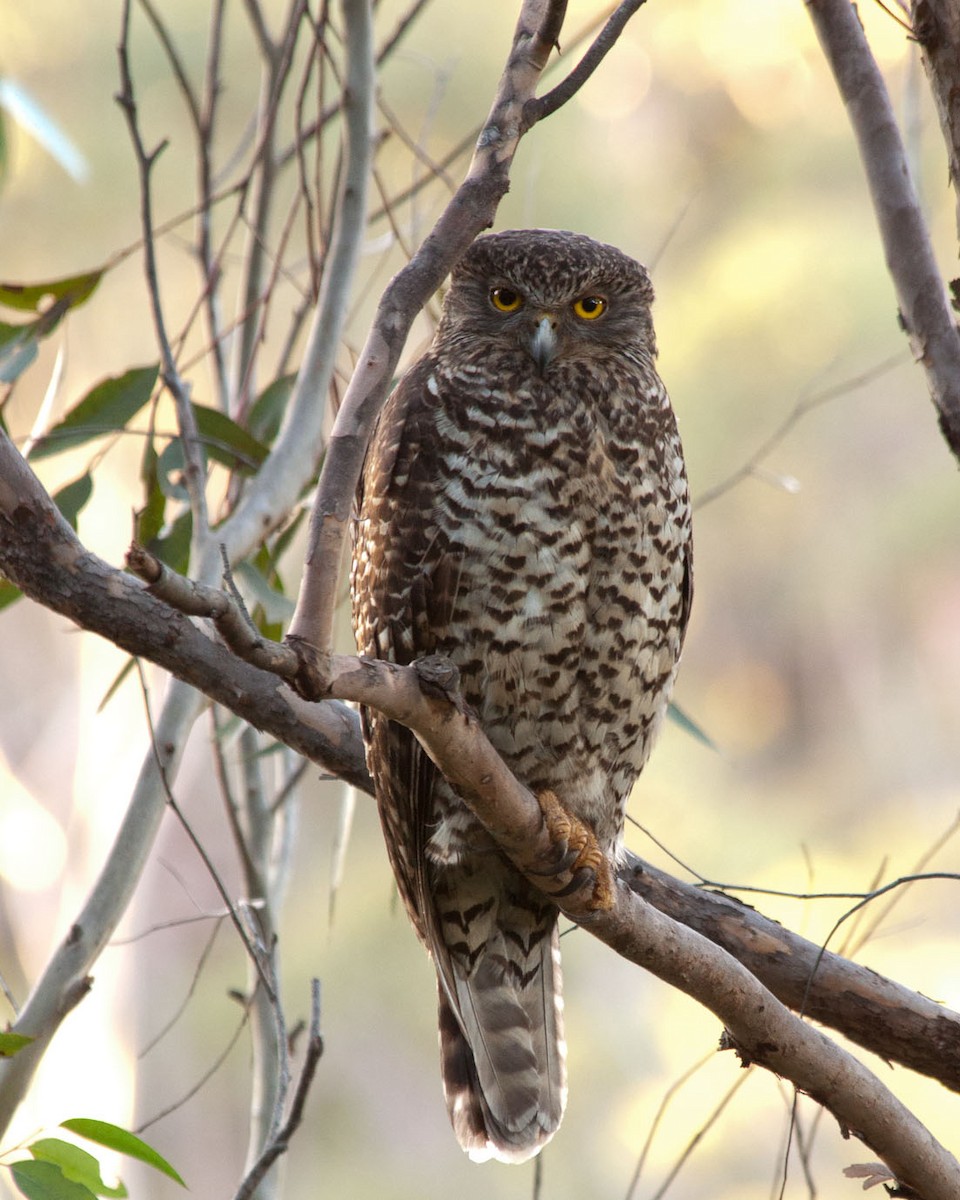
{"x": 547, "y": 296}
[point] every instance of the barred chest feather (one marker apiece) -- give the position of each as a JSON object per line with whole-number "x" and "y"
{"x": 565, "y": 622}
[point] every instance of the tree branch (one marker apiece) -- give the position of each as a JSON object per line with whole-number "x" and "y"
{"x": 470, "y": 210}
{"x": 924, "y": 306}
{"x": 41, "y": 553}
{"x": 936, "y": 25}
{"x": 603, "y": 43}
{"x": 296, "y": 452}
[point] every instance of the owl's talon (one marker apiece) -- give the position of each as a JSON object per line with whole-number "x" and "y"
{"x": 579, "y": 843}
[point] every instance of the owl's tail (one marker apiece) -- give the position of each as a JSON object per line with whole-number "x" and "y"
{"x": 503, "y": 1055}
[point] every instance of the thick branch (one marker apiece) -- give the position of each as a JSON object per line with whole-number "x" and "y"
{"x": 757, "y": 1026}
{"x": 41, "y": 553}
{"x": 924, "y": 307}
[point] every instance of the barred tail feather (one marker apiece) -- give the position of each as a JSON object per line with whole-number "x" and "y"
{"x": 503, "y": 1056}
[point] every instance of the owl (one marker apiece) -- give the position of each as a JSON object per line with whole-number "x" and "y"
{"x": 523, "y": 511}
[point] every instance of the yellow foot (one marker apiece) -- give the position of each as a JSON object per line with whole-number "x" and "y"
{"x": 577, "y": 842}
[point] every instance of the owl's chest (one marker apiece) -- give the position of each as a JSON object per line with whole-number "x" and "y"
{"x": 549, "y": 530}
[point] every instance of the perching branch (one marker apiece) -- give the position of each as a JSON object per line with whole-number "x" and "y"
{"x": 41, "y": 553}
{"x": 924, "y": 306}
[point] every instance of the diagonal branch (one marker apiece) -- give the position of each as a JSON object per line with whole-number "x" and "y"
{"x": 603, "y": 43}
{"x": 924, "y": 306}
{"x": 471, "y": 210}
{"x": 42, "y": 554}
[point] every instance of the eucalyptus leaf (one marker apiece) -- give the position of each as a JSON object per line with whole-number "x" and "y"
{"x": 37, "y": 297}
{"x": 226, "y": 442}
{"x": 687, "y": 723}
{"x": 71, "y": 498}
{"x": 115, "y": 1138}
{"x": 45, "y": 1181}
{"x": 77, "y": 1165}
{"x": 9, "y": 592}
{"x": 267, "y": 410}
{"x": 106, "y": 408}
{"x": 277, "y": 607}
{"x": 10, "y": 1043}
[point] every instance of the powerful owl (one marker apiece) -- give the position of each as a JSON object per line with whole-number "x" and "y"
{"x": 523, "y": 511}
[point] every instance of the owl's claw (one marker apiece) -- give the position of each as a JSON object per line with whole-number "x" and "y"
{"x": 577, "y": 841}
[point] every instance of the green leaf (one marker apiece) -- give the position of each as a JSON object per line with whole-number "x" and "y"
{"x": 45, "y": 1181}
{"x": 276, "y": 607}
{"x": 150, "y": 517}
{"x": 37, "y": 297}
{"x": 9, "y": 592}
{"x": 269, "y": 407}
{"x": 689, "y": 725}
{"x": 10, "y": 1043}
{"x": 106, "y": 408}
{"x": 115, "y": 1138}
{"x": 170, "y": 466}
{"x": 76, "y": 1164}
{"x": 18, "y": 349}
{"x": 73, "y": 496}
{"x": 226, "y": 442}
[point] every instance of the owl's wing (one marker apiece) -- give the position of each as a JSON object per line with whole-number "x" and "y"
{"x": 404, "y": 585}
{"x": 500, "y": 1030}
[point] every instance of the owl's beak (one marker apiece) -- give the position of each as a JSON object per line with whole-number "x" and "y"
{"x": 543, "y": 344}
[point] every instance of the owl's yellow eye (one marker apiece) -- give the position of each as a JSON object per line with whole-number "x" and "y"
{"x": 589, "y": 307}
{"x": 505, "y": 299}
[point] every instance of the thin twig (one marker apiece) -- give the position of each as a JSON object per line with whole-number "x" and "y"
{"x": 281, "y": 1140}
{"x": 544, "y": 106}
{"x": 194, "y": 459}
{"x": 801, "y": 408}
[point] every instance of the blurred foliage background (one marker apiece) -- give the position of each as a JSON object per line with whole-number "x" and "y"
{"x": 822, "y": 661}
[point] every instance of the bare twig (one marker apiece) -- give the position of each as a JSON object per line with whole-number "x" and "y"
{"x": 803, "y": 406}
{"x": 297, "y": 449}
{"x": 209, "y": 262}
{"x": 924, "y": 306}
{"x": 603, "y": 43}
{"x": 276, "y": 63}
{"x": 194, "y": 460}
{"x": 279, "y": 1143}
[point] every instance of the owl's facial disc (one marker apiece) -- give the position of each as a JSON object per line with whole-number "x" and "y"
{"x": 543, "y": 343}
